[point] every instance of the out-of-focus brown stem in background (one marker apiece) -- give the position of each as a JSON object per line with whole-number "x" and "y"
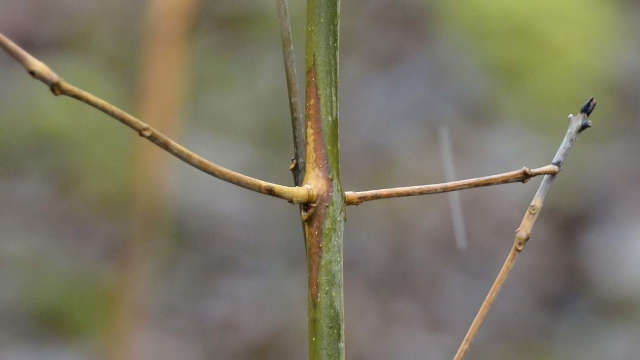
{"x": 163, "y": 70}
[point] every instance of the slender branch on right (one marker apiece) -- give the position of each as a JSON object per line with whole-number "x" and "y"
{"x": 297, "y": 119}
{"x": 577, "y": 123}
{"x": 40, "y": 71}
{"x": 522, "y": 175}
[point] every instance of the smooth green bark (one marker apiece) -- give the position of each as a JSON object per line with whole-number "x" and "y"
{"x": 324, "y": 221}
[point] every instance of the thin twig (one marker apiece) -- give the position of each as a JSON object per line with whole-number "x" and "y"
{"x": 297, "y": 119}
{"x": 522, "y": 175}
{"x": 486, "y": 304}
{"x": 577, "y": 123}
{"x": 42, "y": 72}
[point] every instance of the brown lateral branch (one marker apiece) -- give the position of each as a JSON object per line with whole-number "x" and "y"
{"x": 40, "y": 71}
{"x": 522, "y": 175}
{"x": 577, "y": 124}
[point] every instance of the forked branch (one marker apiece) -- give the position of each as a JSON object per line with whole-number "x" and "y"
{"x": 42, "y": 72}
{"x": 577, "y": 124}
{"x": 522, "y": 175}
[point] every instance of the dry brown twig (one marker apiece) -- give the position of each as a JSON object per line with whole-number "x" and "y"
{"x": 522, "y": 175}
{"x": 577, "y": 124}
{"x": 297, "y": 194}
{"x": 42, "y": 72}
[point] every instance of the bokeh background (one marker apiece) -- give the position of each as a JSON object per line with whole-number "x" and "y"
{"x": 217, "y": 272}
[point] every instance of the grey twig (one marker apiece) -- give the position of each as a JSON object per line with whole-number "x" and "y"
{"x": 577, "y": 124}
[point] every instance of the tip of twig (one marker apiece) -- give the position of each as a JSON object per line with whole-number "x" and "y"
{"x": 588, "y": 107}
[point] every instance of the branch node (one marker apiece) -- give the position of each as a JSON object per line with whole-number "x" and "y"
{"x": 526, "y": 174}
{"x": 55, "y": 88}
{"x": 145, "y": 131}
{"x": 311, "y": 194}
{"x": 585, "y": 125}
{"x": 521, "y": 239}
{"x": 293, "y": 165}
{"x": 307, "y": 210}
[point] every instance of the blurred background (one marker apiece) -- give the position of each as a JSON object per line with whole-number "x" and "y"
{"x": 111, "y": 249}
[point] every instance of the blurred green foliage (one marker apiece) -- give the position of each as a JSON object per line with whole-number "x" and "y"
{"x": 88, "y": 154}
{"x": 67, "y": 301}
{"x": 546, "y": 56}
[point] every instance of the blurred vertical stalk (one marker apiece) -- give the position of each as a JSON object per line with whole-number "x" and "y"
{"x": 459, "y": 228}
{"x": 323, "y": 220}
{"x": 165, "y": 41}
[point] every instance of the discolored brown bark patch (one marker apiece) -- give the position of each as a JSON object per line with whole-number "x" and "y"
{"x": 317, "y": 175}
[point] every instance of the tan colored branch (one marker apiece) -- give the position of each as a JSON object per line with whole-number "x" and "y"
{"x": 58, "y": 86}
{"x": 522, "y": 175}
{"x": 34, "y": 67}
{"x": 577, "y": 123}
{"x": 486, "y": 304}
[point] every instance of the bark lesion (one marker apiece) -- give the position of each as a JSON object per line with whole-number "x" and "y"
{"x": 317, "y": 176}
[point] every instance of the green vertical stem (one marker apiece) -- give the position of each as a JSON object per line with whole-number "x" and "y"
{"x": 323, "y": 220}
